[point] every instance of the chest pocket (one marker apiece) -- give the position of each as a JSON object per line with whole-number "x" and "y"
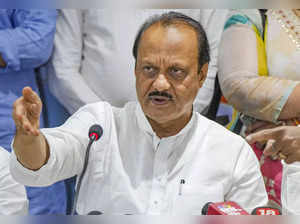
{"x": 97, "y": 163}
{"x": 193, "y": 198}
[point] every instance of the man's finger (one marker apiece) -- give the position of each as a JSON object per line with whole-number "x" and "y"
{"x": 32, "y": 102}
{"x": 17, "y": 120}
{"x": 18, "y": 109}
{"x": 278, "y": 148}
{"x": 30, "y": 96}
{"x": 290, "y": 159}
{"x": 28, "y": 128}
{"x": 33, "y": 110}
{"x": 270, "y": 148}
{"x": 262, "y": 136}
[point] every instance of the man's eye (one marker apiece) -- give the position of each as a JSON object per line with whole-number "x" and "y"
{"x": 175, "y": 70}
{"x": 177, "y": 73}
{"x": 149, "y": 70}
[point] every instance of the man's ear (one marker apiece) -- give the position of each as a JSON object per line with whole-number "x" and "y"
{"x": 135, "y": 68}
{"x": 202, "y": 74}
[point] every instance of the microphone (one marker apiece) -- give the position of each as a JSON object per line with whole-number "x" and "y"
{"x": 223, "y": 208}
{"x": 95, "y": 213}
{"x": 95, "y": 132}
{"x": 266, "y": 211}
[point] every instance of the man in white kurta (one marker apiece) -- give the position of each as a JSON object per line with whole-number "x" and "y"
{"x": 157, "y": 156}
{"x": 132, "y": 171}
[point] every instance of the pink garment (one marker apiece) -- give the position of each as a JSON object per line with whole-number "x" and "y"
{"x": 272, "y": 174}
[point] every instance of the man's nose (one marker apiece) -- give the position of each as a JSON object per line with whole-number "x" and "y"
{"x": 161, "y": 83}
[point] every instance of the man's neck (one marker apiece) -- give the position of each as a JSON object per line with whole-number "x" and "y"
{"x": 170, "y": 128}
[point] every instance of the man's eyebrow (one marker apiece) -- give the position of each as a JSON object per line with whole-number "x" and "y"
{"x": 147, "y": 61}
{"x": 178, "y": 64}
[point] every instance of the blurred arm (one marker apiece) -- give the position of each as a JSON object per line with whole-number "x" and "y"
{"x": 213, "y": 23}
{"x": 65, "y": 78}
{"x": 265, "y": 98}
{"x": 29, "y": 45}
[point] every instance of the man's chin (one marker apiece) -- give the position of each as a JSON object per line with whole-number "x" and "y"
{"x": 159, "y": 115}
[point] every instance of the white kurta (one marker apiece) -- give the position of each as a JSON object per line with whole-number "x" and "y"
{"x": 290, "y": 189}
{"x": 13, "y": 198}
{"x": 133, "y": 171}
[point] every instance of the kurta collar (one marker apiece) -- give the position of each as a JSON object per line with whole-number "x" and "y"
{"x": 144, "y": 124}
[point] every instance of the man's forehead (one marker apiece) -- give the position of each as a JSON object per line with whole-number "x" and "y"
{"x": 159, "y": 35}
{"x": 165, "y": 28}
{"x": 173, "y": 41}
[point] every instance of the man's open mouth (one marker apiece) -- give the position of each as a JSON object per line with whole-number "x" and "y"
{"x": 159, "y": 100}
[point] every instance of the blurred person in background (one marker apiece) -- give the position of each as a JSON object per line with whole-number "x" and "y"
{"x": 259, "y": 73}
{"x": 26, "y": 41}
{"x": 92, "y": 57}
{"x": 13, "y": 200}
{"x": 152, "y": 154}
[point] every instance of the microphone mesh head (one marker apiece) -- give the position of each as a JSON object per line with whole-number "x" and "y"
{"x": 266, "y": 211}
{"x": 205, "y": 208}
{"x": 95, "y": 213}
{"x": 95, "y": 130}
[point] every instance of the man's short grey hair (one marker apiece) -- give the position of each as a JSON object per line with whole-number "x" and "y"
{"x": 173, "y": 18}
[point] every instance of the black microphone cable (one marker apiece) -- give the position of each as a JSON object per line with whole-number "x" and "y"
{"x": 95, "y": 132}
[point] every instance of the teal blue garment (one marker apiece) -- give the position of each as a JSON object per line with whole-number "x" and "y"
{"x": 236, "y": 19}
{"x": 26, "y": 42}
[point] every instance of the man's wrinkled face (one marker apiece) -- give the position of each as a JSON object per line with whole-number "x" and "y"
{"x": 167, "y": 78}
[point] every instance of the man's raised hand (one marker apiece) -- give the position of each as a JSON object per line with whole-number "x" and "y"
{"x": 26, "y": 112}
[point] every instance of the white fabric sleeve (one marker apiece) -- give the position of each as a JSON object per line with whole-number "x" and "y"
{"x": 213, "y": 23}
{"x": 248, "y": 185}
{"x": 67, "y": 145}
{"x": 64, "y": 70}
{"x": 262, "y": 97}
{"x": 13, "y": 200}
